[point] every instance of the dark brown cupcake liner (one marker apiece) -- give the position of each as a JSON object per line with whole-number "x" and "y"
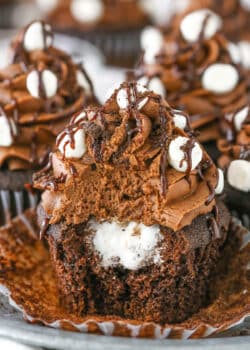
{"x": 27, "y": 278}
{"x": 6, "y": 11}
{"x": 120, "y": 47}
{"x": 14, "y": 203}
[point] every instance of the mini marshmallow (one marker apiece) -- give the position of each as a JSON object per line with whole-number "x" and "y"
{"x": 244, "y": 48}
{"x": 123, "y": 100}
{"x": 79, "y": 145}
{"x": 153, "y": 84}
{"x": 180, "y": 121}
{"x": 151, "y": 37}
{"x": 8, "y": 129}
{"x": 35, "y": 37}
{"x": 152, "y": 41}
{"x": 238, "y": 175}
{"x": 245, "y": 4}
{"x": 47, "y": 5}
{"x": 239, "y": 117}
{"x": 234, "y": 52}
{"x": 79, "y": 117}
{"x": 48, "y": 80}
{"x": 176, "y": 154}
{"x": 220, "y": 184}
{"x": 87, "y": 10}
{"x": 220, "y": 78}
{"x": 156, "y": 85}
{"x": 83, "y": 82}
{"x": 131, "y": 245}
{"x": 191, "y": 25}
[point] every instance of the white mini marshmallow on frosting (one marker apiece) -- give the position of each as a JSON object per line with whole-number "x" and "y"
{"x": 176, "y": 155}
{"x": 220, "y": 78}
{"x": 83, "y": 82}
{"x": 153, "y": 84}
{"x": 76, "y": 150}
{"x": 244, "y": 47}
{"x": 234, "y": 52}
{"x": 87, "y": 10}
{"x": 131, "y": 245}
{"x": 35, "y": 37}
{"x": 151, "y": 37}
{"x": 47, "y": 5}
{"x": 152, "y": 41}
{"x": 239, "y": 117}
{"x": 180, "y": 121}
{"x": 245, "y": 4}
{"x": 48, "y": 80}
{"x": 238, "y": 175}
{"x": 192, "y": 24}
{"x": 220, "y": 184}
{"x": 125, "y": 97}
{"x": 8, "y": 129}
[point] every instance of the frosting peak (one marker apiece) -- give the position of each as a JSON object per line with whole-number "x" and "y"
{"x": 126, "y": 161}
{"x": 39, "y": 90}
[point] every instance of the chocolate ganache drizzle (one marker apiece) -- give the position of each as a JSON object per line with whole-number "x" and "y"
{"x": 196, "y": 71}
{"x": 134, "y": 158}
{"x": 39, "y": 90}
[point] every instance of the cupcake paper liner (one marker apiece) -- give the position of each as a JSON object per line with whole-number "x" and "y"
{"x": 121, "y": 47}
{"x": 13, "y": 203}
{"x": 27, "y": 278}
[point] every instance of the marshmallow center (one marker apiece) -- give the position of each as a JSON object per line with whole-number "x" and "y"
{"x": 131, "y": 245}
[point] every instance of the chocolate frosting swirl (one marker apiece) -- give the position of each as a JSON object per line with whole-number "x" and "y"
{"x": 125, "y": 171}
{"x": 180, "y": 67}
{"x": 235, "y": 144}
{"x": 37, "y": 118}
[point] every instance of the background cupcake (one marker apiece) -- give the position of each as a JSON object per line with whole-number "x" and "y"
{"x": 114, "y": 26}
{"x": 39, "y": 90}
{"x": 197, "y": 71}
{"x": 235, "y": 161}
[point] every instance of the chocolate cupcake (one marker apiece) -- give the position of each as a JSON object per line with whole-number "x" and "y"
{"x": 196, "y": 72}
{"x": 235, "y": 160}
{"x": 39, "y": 90}
{"x": 112, "y": 25}
{"x": 129, "y": 211}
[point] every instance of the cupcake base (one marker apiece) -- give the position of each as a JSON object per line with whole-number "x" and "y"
{"x": 167, "y": 292}
{"x": 28, "y": 279}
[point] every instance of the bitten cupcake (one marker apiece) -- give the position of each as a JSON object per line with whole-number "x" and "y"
{"x": 130, "y": 213}
{"x": 235, "y": 159}
{"x": 114, "y": 26}
{"x": 39, "y": 90}
{"x": 197, "y": 72}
